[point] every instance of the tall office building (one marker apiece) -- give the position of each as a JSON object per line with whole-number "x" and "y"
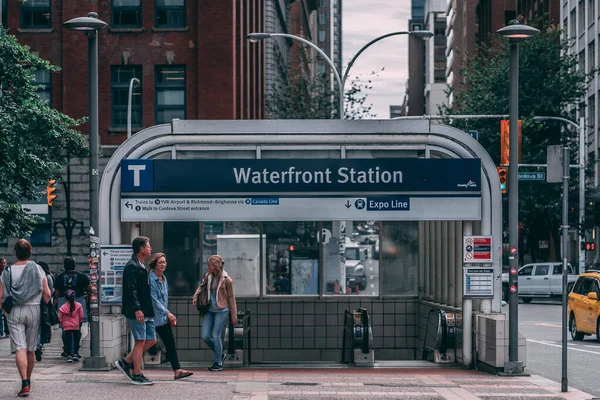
{"x": 414, "y": 99}
{"x": 435, "y": 56}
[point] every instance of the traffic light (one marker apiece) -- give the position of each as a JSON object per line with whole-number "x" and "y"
{"x": 50, "y": 189}
{"x": 588, "y": 246}
{"x": 503, "y": 175}
{"x": 505, "y": 142}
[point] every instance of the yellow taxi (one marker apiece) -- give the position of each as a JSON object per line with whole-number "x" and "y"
{"x": 584, "y": 307}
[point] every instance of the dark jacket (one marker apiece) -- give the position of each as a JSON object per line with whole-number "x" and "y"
{"x": 136, "y": 290}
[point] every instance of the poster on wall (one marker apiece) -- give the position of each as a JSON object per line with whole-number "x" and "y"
{"x": 112, "y": 260}
{"x": 241, "y": 255}
{"x": 304, "y": 267}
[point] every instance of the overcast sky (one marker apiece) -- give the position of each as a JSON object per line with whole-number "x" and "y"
{"x": 364, "y": 20}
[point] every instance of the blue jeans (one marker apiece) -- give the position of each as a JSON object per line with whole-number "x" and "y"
{"x": 213, "y": 324}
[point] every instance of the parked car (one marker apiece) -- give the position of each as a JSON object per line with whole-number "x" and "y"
{"x": 583, "y": 307}
{"x": 355, "y": 270}
{"x": 540, "y": 280}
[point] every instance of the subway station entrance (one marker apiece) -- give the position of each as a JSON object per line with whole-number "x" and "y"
{"x": 314, "y": 220}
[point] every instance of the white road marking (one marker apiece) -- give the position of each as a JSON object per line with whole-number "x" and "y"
{"x": 560, "y": 347}
{"x": 372, "y": 284}
{"x": 370, "y": 268}
{"x": 371, "y": 276}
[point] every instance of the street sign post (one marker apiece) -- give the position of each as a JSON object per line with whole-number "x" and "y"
{"x": 532, "y": 176}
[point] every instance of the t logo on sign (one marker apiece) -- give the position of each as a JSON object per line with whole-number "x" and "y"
{"x": 137, "y": 176}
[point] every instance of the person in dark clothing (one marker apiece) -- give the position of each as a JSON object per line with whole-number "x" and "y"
{"x": 72, "y": 279}
{"x": 138, "y": 310}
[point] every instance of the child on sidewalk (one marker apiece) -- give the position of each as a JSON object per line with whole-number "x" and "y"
{"x": 70, "y": 316}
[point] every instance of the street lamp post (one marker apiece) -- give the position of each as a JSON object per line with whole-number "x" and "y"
{"x": 419, "y": 34}
{"x": 515, "y": 32}
{"x": 565, "y": 227}
{"x": 91, "y": 25}
{"x": 132, "y": 82}
{"x": 581, "y": 166}
{"x": 255, "y": 37}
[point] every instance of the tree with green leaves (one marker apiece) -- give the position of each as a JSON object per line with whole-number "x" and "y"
{"x": 550, "y": 84}
{"x": 35, "y": 139}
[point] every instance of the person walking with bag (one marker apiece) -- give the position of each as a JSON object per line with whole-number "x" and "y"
{"x": 220, "y": 298}
{"x": 164, "y": 320}
{"x": 22, "y": 288}
{"x": 70, "y": 317}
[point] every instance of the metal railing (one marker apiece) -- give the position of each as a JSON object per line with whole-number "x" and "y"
{"x": 238, "y": 337}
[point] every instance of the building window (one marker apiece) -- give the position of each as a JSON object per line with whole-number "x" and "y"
{"x": 322, "y": 18}
{"x": 121, "y": 75}
{"x": 591, "y": 11}
{"x": 581, "y": 16}
{"x": 591, "y": 114}
{"x": 322, "y": 36}
{"x": 42, "y": 233}
{"x": 573, "y": 24}
{"x": 43, "y": 80}
{"x": 581, "y": 60}
{"x": 170, "y": 93}
{"x": 126, "y": 13}
{"x": 591, "y": 56}
{"x": 170, "y": 13}
{"x": 322, "y": 3}
{"x": 35, "y": 14}
{"x": 4, "y": 15}
{"x": 321, "y": 68}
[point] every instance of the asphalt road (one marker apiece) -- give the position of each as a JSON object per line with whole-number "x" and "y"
{"x": 540, "y": 323}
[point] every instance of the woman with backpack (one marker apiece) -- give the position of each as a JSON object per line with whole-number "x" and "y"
{"x": 70, "y": 316}
{"x": 221, "y": 302}
{"x": 164, "y": 320}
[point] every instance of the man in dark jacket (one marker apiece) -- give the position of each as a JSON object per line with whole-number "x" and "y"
{"x": 137, "y": 309}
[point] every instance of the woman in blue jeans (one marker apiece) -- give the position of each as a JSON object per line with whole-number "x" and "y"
{"x": 221, "y": 305}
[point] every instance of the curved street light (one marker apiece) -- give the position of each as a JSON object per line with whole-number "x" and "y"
{"x": 91, "y": 25}
{"x": 257, "y": 36}
{"x": 419, "y": 34}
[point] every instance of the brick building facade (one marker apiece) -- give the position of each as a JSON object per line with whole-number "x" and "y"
{"x": 193, "y": 62}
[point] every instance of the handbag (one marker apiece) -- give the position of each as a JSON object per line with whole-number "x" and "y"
{"x": 52, "y": 314}
{"x": 8, "y": 304}
{"x": 202, "y": 299}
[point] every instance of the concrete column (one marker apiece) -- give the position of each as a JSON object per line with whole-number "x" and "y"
{"x": 421, "y": 258}
{"x": 438, "y": 262}
{"x": 458, "y": 257}
{"x": 467, "y": 306}
{"x": 452, "y": 263}
{"x": 444, "y": 262}
{"x": 426, "y": 259}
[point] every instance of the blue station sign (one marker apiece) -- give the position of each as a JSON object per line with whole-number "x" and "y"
{"x": 382, "y": 175}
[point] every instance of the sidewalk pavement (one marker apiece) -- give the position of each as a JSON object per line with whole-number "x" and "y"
{"x": 53, "y": 378}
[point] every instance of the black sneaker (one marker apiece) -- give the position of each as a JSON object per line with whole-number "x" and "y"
{"x": 140, "y": 380}
{"x": 216, "y": 367}
{"x": 38, "y": 354}
{"x": 124, "y": 368}
{"x": 74, "y": 358}
{"x": 223, "y": 357}
{"x": 69, "y": 359}
{"x": 63, "y": 354}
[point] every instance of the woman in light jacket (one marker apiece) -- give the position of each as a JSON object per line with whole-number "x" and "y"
{"x": 163, "y": 318}
{"x": 25, "y": 283}
{"x": 221, "y": 304}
